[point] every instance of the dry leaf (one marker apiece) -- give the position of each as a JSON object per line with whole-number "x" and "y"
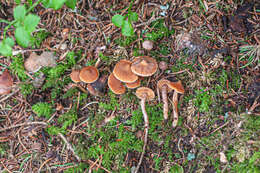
{"x": 6, "y": 83}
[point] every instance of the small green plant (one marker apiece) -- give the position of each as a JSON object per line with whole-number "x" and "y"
{"x": 250, "y": 53}
{"x": 125, "y": 22}
{"x": 25, "y": 24}
{"x": 57, "y": 4}
{"x": 203, "y": 100}
{"x": 43, "y": 109}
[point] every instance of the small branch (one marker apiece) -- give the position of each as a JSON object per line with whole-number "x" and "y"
{"x": 23, "y": 124}
{"x": 69, "y": 146}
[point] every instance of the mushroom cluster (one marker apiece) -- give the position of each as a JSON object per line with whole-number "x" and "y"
{"x": 89, "y": 75}
{"x": 130, "y": 73}
{"x": 166, "y": 86}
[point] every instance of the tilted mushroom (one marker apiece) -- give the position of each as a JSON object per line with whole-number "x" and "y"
{"x": 74, "y": 75}
{"x": 144, "y": 66}
{"x": 6, "y": 83}
{"x": 122, "y": 71}
{"x": 115, "y": 85}
{"x": 134, "y": 84}
{"x": 178, "y": 88}
{"x": 89, "y": 74}
{"x": 144, "y": 94}
{"x": 165, "y": 86}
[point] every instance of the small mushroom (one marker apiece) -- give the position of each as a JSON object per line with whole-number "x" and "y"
{"x": 144, "y": 94}
{"x": 122, "y": 71}
{"x": 178, "y": 88}
{"x": 163, "y": 65}
{"x": 147, "y": 45}
{"x": 144, "y": 66}
{"x": 115, "y": 85}
{"x": 134, "y": 84}
{"x": 6, "y": 83}
{"x": 89, "y": 74}
{"x": 74, "y": 75}
{"x": 97, "y": 88}
{"x": 165, "y": 86}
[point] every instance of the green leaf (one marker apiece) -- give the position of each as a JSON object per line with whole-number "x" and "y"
{"x": 9, "y": 41}
{"x": 19, "y": 12}
{"x": 71, "y": 4}
{"x": 30, "y": 22}
{"x": 118, "y": 20}
{"x": 133, "y": 16}
{"x": 5, "y": 49}
{"x": 127, "y": 29}
{"x": 22, "y": 37}
{"x": 55, "y": 4}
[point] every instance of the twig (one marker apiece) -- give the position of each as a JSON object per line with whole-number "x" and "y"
{"x": 23, "y": 124}
{"x": 183, "y": 156}
{"x": 91, "y": 162}
{"x": 218, "y": 128}
{"x": 149, "y": 21}
{"x": 69, "y": 146}
{"x": 9, "y": 95}
{"x": 44, "y": 163}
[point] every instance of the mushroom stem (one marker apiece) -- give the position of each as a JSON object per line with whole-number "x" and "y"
{"x": 175, "y": 109}
{"x": 146, "y": 126}
{"x": 165, "y": 102}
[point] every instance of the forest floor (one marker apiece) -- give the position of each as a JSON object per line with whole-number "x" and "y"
{"x": 50, "y": 124}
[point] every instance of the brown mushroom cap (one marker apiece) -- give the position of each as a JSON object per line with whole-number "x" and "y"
{"x": 115, "y": 85}
{"x": 134, "y": 84}
{"x": 31, "y": 64}
{"x": 6, "y": 83}
{"x": 177, "y": 86}
{"x": 74, "y": 75}
{"x": 163, "y": 82}
{"x": 122, "y": 71}
{"x": 89, "y": 74}
{"x": 144, "y": 66}
{"x": 144, "y": 92}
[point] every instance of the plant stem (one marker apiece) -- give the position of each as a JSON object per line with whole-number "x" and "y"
{"x": 146, "y": 127}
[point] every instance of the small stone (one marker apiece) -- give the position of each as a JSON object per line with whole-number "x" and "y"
{"x": 163, "y": 65}
{"x": 147, "y": 45}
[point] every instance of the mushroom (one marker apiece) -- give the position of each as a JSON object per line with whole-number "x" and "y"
{"x": 115, "y": 85}
{"x": 147, "y": 45}
{"x": 165, "y": 86}
{"x": 74, "y": 75}
{"x": 144, "y": 94}
{"x": 6, "y": 83}
{"x": 144, "y": 66}
{"x": 178, "y": 88}
{"x": 89, "y": 74}
{"x": 134, "y": 84}
{"x": 122, "y": 71}
{"x": 97, "y": 88}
